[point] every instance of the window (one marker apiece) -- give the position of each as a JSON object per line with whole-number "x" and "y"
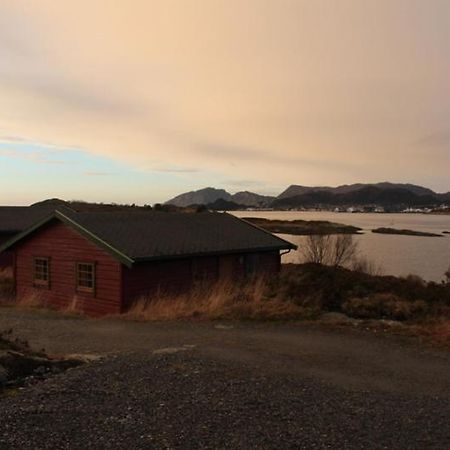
{"x": 85, "y": 277}
{"x": 41, "y": 275}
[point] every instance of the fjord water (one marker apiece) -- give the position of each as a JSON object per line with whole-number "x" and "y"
{"x": 428, "y": 257}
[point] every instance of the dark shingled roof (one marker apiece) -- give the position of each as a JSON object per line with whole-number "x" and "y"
{"x": 135, "y": 237}
{"x": 14, "y": 219}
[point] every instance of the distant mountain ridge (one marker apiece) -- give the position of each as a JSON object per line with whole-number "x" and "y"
{"x": 295, "y": 190}
{"x": 210, "y": 195}
{"x": 391, "y": 198}
{"x": 383, "y": 194}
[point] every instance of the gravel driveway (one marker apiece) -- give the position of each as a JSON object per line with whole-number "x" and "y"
{"x": 213, "y": 385}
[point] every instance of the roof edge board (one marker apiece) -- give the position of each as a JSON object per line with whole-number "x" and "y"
{"x": 94, "y": 238}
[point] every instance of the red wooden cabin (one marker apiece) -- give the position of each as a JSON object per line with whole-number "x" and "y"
{"x": 15, "y": 219}
{"x": 105, "y": 261}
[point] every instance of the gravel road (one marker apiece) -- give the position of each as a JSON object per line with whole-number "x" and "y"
{"x": 213, "y": 385}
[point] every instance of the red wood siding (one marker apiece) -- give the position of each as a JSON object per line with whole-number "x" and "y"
{"x": 166, "y": 277}
{"x": 65, "y": 247}
{"x": 173, "y": 277}
{"x": 6, "y": 258}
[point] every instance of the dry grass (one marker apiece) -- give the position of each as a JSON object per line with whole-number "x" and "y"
{"x": 73, "y": 307}
{"x": 33, "y": 299}
{"x": 224, "y": 300}
{"x": 6, "y": 285}
{"x": 437, "y": 332}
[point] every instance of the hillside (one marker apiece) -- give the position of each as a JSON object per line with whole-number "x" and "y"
{"x": 251, "y": 199}
{"x": 200, "y": 197}
{"x": 295, "y": 190}
{"x": 210, "y": 195}
{"x": 392, "y": 196}
{"x": 368, "y": 195}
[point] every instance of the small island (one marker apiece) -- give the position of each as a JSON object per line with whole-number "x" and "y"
{"x": 302, "y": 227}
{"x": 405, "y": 232}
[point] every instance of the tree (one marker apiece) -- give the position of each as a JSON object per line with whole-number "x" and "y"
{"x": 332, "y": 250}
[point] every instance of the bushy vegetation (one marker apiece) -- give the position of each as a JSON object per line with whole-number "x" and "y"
{"x": 361, "y": 295}
{"x": 388, "y": 306}
{"x": 304, "y": 291}
{"x": 299, "y": 291}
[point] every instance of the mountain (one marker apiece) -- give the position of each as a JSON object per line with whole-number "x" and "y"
{"x": 210, "y": 195}
{"x": 387, "y": 196}
{"x": 251, "y": 199}
{"x": 200, "y": 197}
{"x": 392, "y": 196}
{"x": 295, "y": 190}
{"x": 224, "y": 205}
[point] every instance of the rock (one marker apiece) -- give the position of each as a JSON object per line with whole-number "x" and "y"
{"x": 169, "y": 350}
{"x": 83, "y": 357}
{"x": 391, "y": 323}
{"x": 41, "y": 370}
{"x": 3, "y": 375}
{"x": 223, "y": 327}
{"x": 337, "y": 318}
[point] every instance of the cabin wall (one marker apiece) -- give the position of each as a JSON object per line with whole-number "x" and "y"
{"x": 178, "y": 276}
{"x": 65, "y": 247}
{"x": 6, "y": 258}
{"x": 165, "y": 277}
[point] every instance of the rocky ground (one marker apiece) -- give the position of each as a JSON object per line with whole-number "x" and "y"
{"x": 227, "y": 385}
{"x": 21, "y": 366}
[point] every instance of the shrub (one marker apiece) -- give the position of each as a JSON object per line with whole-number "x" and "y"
{"x": 384, "y": 306}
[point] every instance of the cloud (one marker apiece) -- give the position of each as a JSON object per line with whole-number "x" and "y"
{"x": 36, "y": 157}
{"x": 97, "y": 174}
{"x": 297, "y": 93}
{"x": 435, "y": 140}
{"x": 173, "y": 169}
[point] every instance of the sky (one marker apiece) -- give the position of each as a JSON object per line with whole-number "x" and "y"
{"x": 135, "y": 101}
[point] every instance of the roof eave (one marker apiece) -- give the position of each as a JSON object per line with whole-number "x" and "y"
{"x": 144, "y": 259}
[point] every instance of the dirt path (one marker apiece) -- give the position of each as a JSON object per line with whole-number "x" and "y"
{"x": 228, "y": 385}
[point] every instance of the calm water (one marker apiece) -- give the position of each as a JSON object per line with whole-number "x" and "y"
{"x": 397, "y": 255}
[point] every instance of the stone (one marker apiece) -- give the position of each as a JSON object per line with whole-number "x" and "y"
{"x": 3, "y": 375}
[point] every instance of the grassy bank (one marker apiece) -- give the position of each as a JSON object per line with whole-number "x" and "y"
{"x": 305, "y": 292}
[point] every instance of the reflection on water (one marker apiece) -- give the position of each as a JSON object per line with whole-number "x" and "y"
{"x": 397, "y": 255}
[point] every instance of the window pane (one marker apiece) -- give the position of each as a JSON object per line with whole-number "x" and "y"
{"x": 41, "y": 271}
{"x": 86, "y": 276}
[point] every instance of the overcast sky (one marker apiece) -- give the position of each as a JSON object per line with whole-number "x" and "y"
{"x": 136, "y": 101}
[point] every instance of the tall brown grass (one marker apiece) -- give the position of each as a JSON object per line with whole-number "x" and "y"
{"x": 6, "y": 285}
{"x": 223, "y": 300}
{"x": 437, "y": 331}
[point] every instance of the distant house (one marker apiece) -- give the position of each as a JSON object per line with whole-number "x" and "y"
{"x": 107, "y": 260}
